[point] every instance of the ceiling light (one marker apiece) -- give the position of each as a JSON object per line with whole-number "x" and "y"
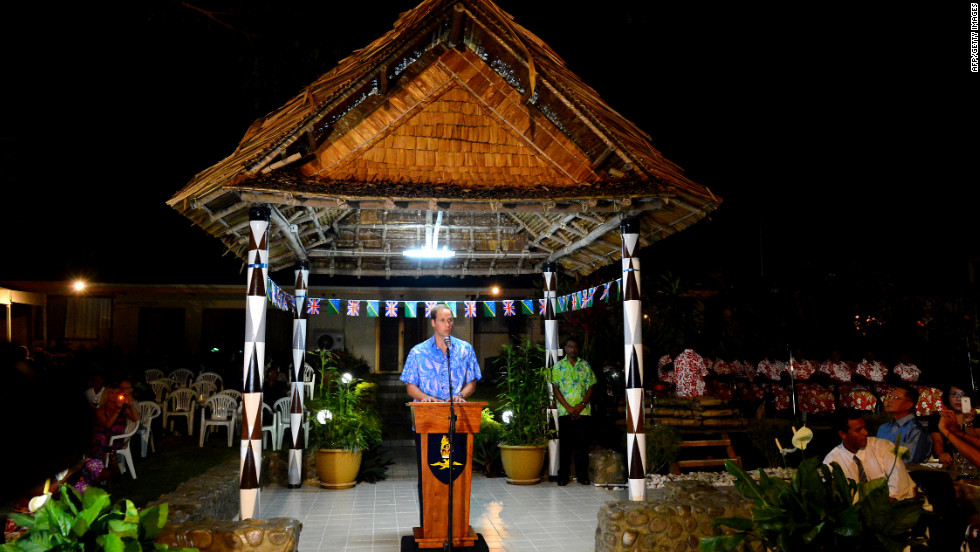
{"x": 429, "y": 253}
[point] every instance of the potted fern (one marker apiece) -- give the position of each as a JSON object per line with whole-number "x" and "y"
{"x": 523, "y": 387}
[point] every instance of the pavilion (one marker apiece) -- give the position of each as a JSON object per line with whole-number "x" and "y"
{"x": 457, "y": 120}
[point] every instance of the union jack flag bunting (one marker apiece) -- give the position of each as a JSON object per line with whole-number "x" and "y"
{"x": 353, "y": 308}
{"x": 605, "y": 292}
{"x": 469, "y": 309}
{"x": 509, "y": 309}
{"x": 313, "y": 306}
{"x": 391, "y": 309}
{"x": 429, "y": 305}
{"x": 541, "y": 306}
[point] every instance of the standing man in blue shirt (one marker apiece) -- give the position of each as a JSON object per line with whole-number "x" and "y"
{"x": 426, "y": 375}
{"x": 900, "y": 405}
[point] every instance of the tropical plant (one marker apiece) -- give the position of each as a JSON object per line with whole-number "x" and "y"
{"x": 90, "y": 521}
{"x": 343, "y": 412}
{"x": 820, "y": 509}
{"x": 523, "y": 387}
{"x": 762, "y": 433}
{"x": 374, "y": 465}
{"x": 663, "y": 446}
{"x": 486, "y": 453}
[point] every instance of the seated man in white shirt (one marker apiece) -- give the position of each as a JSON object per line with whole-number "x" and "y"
{"x": 866, "y": 458}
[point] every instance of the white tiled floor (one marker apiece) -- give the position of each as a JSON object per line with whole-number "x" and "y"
{"x": 374, "y": 517}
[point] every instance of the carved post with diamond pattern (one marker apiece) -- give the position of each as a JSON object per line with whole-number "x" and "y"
{"x": 299, "y": 361}
{"x": 636, "y": 450}
{"x": 551, "y": 358}
{"x": 254, "y": 360}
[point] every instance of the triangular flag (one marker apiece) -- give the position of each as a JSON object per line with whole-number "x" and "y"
{"x": 490, "y": 308}
{"x": 372, "y": 309}
{"x": 333, "y": 306}
{"x": 410, "y": 309}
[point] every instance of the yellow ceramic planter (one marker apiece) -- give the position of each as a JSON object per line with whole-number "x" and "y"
{"x": 523, "y": 464}
{"x": 337, "y": 468}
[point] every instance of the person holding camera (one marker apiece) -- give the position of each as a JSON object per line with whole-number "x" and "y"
{"x": 117, "y": 408}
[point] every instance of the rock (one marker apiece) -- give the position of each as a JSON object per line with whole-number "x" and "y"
{"x": 673, "y": 518}
{"x": 254, "y": 535}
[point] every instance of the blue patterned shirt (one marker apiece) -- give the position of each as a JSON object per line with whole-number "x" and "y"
{"x": 425, "y": 368}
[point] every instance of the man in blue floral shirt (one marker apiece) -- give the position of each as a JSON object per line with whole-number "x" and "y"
{"x": 572, "y": 380}
{"x": 425, "y": 372}
{"x": 425, "y": 367}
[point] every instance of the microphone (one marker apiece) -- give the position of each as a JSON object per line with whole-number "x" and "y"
{"x": 448, "y": 341}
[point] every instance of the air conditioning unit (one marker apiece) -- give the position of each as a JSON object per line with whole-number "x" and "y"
{"x": 331, "y": 341}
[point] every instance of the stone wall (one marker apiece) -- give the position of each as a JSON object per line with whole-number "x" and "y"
{"x": 673, "y": 519}
{"x": 213, "y": 495}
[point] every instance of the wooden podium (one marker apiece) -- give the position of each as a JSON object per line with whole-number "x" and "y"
{"x": 432, "y": 424}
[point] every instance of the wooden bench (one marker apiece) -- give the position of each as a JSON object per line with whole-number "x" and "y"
{"x": 676, "y": 467}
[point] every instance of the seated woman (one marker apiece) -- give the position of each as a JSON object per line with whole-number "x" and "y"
{"x": 957, "y": 423}
{"x": 117, "y": 408}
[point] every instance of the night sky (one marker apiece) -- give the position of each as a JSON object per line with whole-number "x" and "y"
{"x": 836, "y": 135}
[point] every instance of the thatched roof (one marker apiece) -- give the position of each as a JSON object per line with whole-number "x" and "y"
{"x": 457, "y": 110}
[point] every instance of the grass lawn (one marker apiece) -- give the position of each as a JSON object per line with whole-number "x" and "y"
{"x": 177, "y": 459}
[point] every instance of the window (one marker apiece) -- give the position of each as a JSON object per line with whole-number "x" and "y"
{"x": 88, "y": 317}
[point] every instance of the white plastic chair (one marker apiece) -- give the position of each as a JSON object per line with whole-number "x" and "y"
{"x": 231, "y": 393}
{"x": 270, "y": 417}
{"x": 153, "y": 374}
{"x": 222, "y": 413}
{"x": 149, "y": 410}
{"x": 161, "y": 388}
{"x": 182, "y": 377}
{"x": 182, "y": 402}
{"x": 309, "y": 380}
{"x": 132, "y": 426}
{"x": 282, "y": 411}
{"x": 211, "y": 377}
{"x": 205, "y": 389}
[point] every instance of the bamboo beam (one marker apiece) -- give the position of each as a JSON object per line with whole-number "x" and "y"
{"x": 287, "y": 232}
{"x": 461, "y": 255}
{"x": 477, "y": 206}
{"x": 590, "y": 237}
{"x": 422, "y": 272}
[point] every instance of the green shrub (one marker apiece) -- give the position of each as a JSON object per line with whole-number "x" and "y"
{"x": 90, "y": 521}
{"x": 486, "y": 453}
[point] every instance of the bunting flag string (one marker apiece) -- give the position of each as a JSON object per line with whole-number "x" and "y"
{"x": 389, "y": 308}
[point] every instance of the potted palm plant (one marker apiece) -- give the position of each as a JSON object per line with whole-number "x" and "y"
{"x": 343, "y": 423}
{"x": 523, "y": 387}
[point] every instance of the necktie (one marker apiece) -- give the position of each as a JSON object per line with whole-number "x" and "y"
{"x": 862, "y": 475}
